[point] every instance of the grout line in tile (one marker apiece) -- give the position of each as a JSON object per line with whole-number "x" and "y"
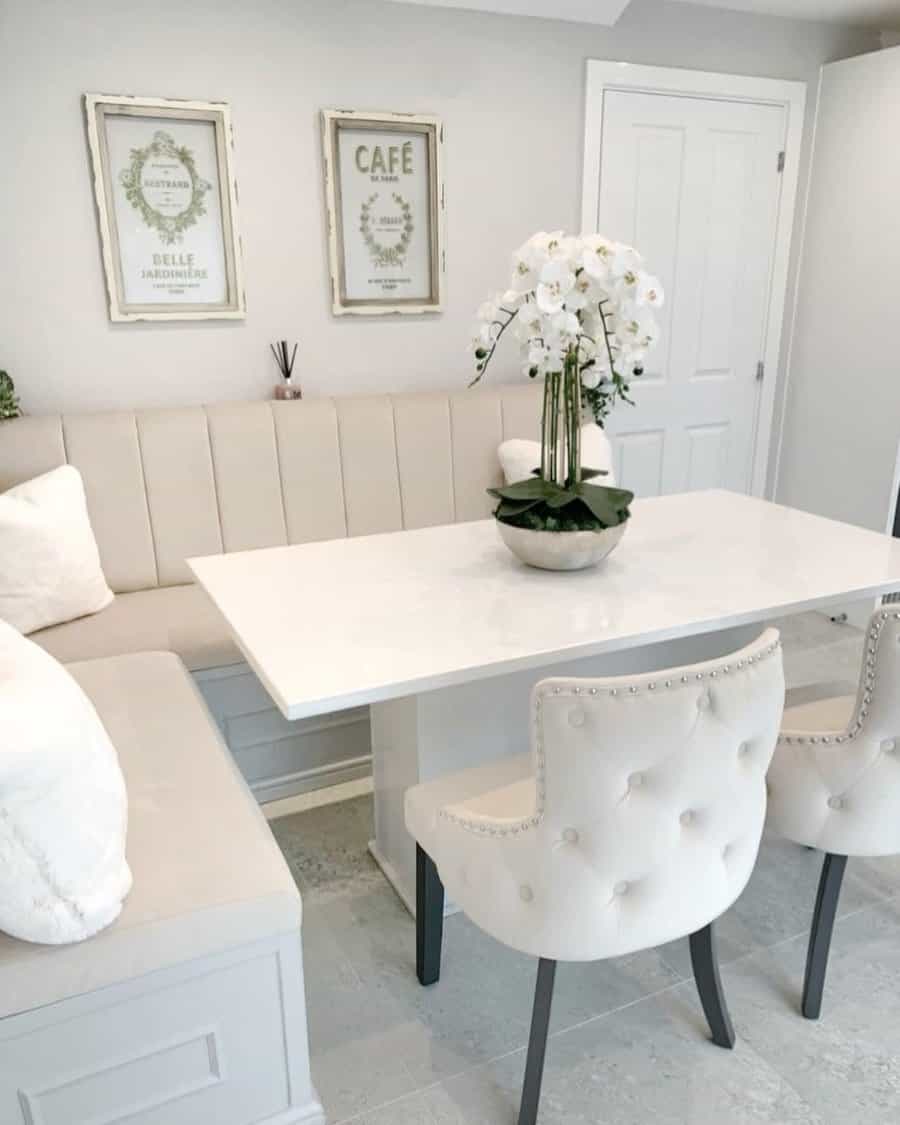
{"x": 682, "y": 982}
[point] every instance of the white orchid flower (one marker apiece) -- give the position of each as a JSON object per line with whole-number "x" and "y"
{"x": 625, "y": 264}
{"x": 487, "y": 311}
{"x": 531, "y": 318}
{"x": 511, "y": 299}
{"x": 590, "y": 378}
{"x": 565, "y": 326}
{"x": 649, "y": 291}
{"x": 595, "y": 265}
{"x": 556, "y": 282}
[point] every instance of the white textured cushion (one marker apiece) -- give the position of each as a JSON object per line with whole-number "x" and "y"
{"x": 208, "y": 875}
{"x": 49, "y": 564}
{"x": 63, "y": 808}
{"x": 519, "y": 458}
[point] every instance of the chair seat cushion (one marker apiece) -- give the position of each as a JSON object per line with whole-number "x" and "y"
{"x": 830, "y": 714}
{"x": 503, "y": 790}
{"x": 208, "y": 875}
{"x": 179, "y": 619}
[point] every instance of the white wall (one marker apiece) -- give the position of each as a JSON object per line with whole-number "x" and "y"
{"x": 511, "y": 93}
{"x": 842, "y": 421}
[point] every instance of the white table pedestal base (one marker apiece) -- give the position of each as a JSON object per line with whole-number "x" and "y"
{"x": 420, "y": 737}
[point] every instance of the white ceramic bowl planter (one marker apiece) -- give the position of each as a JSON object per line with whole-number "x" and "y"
{"x": 583, "y": 309}
{"x": 560, "y": 550}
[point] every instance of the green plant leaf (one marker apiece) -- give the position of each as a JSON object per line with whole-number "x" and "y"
{"x": 514, "y": 507}
{"x": 589, "y": 474}
{"x": 562, "y": 498}
{"x": 610, "y": 505}
{"x": 534, "y": 488}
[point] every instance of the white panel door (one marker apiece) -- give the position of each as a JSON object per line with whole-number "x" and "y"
{"x": 694, "y": 184}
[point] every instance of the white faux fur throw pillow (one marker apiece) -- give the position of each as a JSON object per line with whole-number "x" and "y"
{"x": 49, "y": 563}
{"x": 63, "y": 807}
{"x": 519, "y": 458}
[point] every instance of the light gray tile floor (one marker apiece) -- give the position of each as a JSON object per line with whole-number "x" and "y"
{"x": 628, "y": 1042}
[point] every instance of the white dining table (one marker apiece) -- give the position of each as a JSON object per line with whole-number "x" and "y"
{"x": 443, "y": 633}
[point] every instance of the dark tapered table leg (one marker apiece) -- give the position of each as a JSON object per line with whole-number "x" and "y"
{"x": 537, "y": 1042}
{"x": 820, "y": 936}
{"x": 429, "y": 918}
{"x": 709, "y": 984}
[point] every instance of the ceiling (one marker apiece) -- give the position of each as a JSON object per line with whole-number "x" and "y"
{"x": 883, "y": 14}
{"x": 604, "y": 12}
{"x": 875, "y": 13}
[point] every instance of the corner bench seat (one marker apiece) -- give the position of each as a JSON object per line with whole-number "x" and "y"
{"x": 192, "y": 1001}
{"x": 179, "y": 619}
{"x": 207, "y": 871}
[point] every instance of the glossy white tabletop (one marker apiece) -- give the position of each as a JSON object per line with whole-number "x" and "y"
{"x": 350, "y": 621}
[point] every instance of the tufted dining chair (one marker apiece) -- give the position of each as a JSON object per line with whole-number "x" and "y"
{"x": 635, "y": 819}
{"x": 834, "y": 783}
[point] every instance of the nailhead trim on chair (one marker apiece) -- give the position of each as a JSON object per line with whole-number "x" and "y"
{"x": 533, "y": 821}
{"x": 862, "y": 707}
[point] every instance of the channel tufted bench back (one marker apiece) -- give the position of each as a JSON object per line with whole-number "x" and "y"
{"x": 166, "y": 485}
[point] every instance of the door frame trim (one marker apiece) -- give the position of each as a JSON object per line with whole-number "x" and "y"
{"x": 603, "y": 75}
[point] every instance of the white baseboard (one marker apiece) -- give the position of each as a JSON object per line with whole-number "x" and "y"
{"x": 315, "y": 799}
{"x": 282, "y": 759}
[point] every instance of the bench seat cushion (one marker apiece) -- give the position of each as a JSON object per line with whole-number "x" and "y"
{"x": 179, "y": 619}
{"x": 208, "y": 875}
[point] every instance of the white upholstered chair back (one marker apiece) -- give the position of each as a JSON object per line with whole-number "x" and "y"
{"x": 837, "y": 786}
{"x": 649, "y": 802}
{"x": 165, "y": 485}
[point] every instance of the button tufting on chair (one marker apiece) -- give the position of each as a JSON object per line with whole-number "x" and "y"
{"x": 509, "y": 822}
{"x": 841, "y": 744}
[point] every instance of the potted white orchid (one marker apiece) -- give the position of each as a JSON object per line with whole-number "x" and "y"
{"x": 584, "y": 314}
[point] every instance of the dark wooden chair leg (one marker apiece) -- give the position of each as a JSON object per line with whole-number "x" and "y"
{"x": 537, "y": 1042}
{"x": 705, "y": 964}
{"x": 429, "y": 918}
{"x": 820, "y": 937}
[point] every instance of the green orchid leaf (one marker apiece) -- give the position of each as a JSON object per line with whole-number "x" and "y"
{"x": 534, "y": 488}
{"x": 514, "y": 507}
{"x": 610, "y": 505}
{"x": 589, "y": 474}
{"x": 562, "y": 498}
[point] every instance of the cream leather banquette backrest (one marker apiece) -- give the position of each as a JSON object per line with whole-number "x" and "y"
{"x": 165, "y": 485}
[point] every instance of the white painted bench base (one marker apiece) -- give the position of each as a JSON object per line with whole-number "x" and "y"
{"x": 220, "y": 1040}
{"x": 267, "y": 748}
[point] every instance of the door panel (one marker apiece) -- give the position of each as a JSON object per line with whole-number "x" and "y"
{"x": 693, "y": 183}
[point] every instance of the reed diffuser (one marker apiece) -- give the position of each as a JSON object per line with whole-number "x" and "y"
{"x": 286, "y": 389}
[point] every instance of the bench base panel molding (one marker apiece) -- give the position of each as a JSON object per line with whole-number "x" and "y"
{"x": 421, "y": 737}
{"x": 221, "y": 1039}
{"x": 268, "y": 749}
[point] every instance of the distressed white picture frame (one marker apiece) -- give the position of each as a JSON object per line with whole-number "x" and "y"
{"x": 100, "y": 106}
{"x": 402, "y": 124}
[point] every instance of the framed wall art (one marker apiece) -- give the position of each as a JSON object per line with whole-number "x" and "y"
{"x": 166, "y": 199}
{"x": 385, "y": 197}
